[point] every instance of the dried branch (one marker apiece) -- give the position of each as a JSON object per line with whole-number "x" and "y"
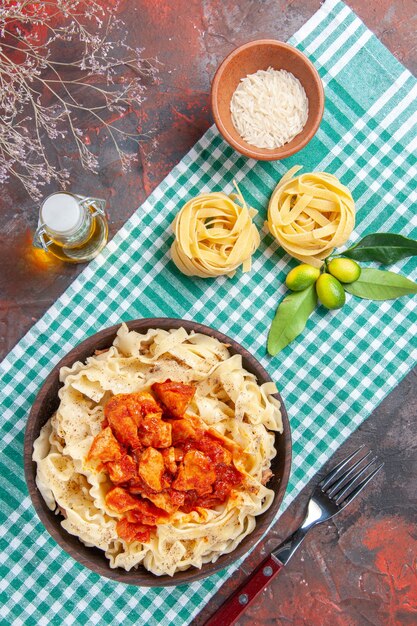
{"x": 43, "y": 99}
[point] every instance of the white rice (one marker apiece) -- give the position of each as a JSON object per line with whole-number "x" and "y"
{"x": 269, "y": 108}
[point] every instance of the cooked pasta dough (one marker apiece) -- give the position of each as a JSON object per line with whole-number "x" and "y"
{"x": 310, "y": 215}
{"x": 227, "y": 400}
{"x": 214, "y": 235}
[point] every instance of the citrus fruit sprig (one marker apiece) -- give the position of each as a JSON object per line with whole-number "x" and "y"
{"x": 328, "y": 281}
{"x": 328, "y": 285}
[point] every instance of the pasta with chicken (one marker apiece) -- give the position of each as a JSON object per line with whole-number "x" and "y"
{"x": 160, "y": 450}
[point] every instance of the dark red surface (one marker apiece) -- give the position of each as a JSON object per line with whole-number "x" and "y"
{"x": 360, "y": 569}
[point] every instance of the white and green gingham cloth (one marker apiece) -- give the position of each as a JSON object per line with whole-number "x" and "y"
{"x": 331, "y": 378}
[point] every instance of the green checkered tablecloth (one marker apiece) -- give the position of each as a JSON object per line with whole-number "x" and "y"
{"x": 331, "y": 378}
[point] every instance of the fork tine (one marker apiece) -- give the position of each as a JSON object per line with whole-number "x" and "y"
{"x": 347, "y": 500}
{"x": 332, "y": 476}
{"x": 348, "y": 477}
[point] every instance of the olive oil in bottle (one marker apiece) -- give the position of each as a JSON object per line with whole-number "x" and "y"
{"x": 71, "y": 227}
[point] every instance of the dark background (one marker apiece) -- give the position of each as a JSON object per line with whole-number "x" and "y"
{"x": 362, "y": 568}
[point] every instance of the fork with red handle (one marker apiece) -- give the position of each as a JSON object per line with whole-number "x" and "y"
{"x": 341, "y": 485}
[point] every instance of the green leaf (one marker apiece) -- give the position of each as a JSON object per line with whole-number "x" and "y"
{"x": 290, "y": 319}
{"x": 384, "y": 248}
{"x": 380, "y": 285}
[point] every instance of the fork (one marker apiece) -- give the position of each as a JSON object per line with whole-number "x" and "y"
{"x": 337, "y": 489}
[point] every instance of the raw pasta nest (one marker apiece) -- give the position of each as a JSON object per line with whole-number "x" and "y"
{"x": 310, "y": 215}
{"x": 214, "y": 235}
{"x": 227, "y": 399}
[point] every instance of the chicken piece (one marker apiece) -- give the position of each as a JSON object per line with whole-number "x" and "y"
{"x": 196, "y": 473}
{"x": 227, "y": 477}
{"x": 151, "y": 468}
{"x": 126, "y": 411}
{"x": 133, "y": 532}
{"x": 184, "y": 429}
{"x": 155, "y": 432}
{"x": 169, "y": 500}
{"x": 175, "y": 397}
{"x": 142, "y": 404}
{"x": 123, "y": 470}
{"x": 146, "y": 513}
{"x": 121, "y": 422}
{"x": 137, "y": 510}
{"x": 105, "y": 447}
{"x": 119, "y": 500}
{"x": 214, "y": 449}
{"x": 169, "y": 460}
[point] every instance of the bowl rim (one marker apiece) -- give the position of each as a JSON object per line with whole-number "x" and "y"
{"x": 265, "y": 154}
{"x": 135, "y": 576}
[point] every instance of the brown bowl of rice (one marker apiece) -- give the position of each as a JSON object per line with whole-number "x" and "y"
{"x": 267, "y": 100}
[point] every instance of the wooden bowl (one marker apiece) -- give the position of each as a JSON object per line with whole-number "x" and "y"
{"x": 47, "y": 402}
{"x": 248, "y": 59}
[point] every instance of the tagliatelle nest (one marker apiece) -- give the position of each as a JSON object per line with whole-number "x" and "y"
{"x": 310, "y": 215}
{"x": 214, "y": 235}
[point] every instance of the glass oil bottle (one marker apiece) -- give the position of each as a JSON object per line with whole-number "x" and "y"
{"x": 73, "y": 228}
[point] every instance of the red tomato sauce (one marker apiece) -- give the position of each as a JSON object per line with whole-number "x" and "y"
{"x": 159, "y": 460}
